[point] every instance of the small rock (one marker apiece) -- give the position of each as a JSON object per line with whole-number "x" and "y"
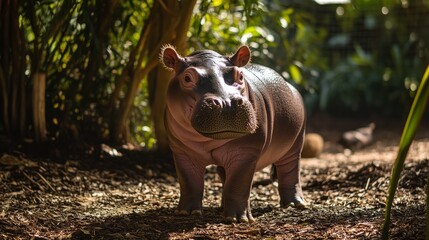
{"x": 169, "y": 178}
{"x": 357, "y": 139}
{"x": 313, "y": 145}
{"x": 149, "y": 173}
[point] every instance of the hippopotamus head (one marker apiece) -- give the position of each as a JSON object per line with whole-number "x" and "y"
{"x": 211, "y": 91}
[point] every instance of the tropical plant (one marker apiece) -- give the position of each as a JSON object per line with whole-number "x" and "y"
{"x": 84, "y": 62}
{"x": 88, "y": 70}
{"x": 413, "y": 121}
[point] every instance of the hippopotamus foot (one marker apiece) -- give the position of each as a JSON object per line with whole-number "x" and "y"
{"x": 231, "y": 216}
{"x": 291, "y": 198}
{"x": 186, "y": 213}
{"x": 189, "y": 207}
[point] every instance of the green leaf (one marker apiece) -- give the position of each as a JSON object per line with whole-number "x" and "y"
{"x": 413, "y": 121}
{"x": 217, "y": 3}
{"x": 295, "y": 73}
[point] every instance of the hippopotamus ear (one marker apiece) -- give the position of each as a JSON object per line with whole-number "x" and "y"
{"x": 241, "y": 57}
{"x": 171, "y": 59}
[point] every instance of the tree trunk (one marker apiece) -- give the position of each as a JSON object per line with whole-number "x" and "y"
{"x": 173, "y": 14}
{"x": 12, "y": 67}
{"x": 168, "y": 22}
{"x": 5, "y": 63}
{"x": 39, "y": 121}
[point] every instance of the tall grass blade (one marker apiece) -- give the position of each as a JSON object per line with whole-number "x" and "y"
{"x": 413, "y": 121}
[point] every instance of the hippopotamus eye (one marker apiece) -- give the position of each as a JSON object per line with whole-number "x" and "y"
{"x": 189, "y": 79}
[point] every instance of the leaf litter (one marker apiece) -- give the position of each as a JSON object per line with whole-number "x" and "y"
{"x": 132, "y": 195}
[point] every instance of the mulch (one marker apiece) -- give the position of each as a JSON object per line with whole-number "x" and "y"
{"x": 133, "y": 194}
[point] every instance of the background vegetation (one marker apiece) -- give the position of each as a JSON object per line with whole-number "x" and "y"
{"x": 87, "y": 71}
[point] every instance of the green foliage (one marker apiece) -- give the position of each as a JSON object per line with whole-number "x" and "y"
{"x": 363, "y": 57}
{"x": 356, "y": 58}
{"x": 381, "y": 74}
{"x": 413, "y": 121}
{"x": 361, "y": 84}
{"x": 83, "y": 49}
{"x": 222, "y": 26}
{"x": 141, "y": 124}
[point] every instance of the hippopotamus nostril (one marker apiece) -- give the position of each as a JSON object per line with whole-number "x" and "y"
{"x": 238, "y": 101}
{"x": 213, "y": 102}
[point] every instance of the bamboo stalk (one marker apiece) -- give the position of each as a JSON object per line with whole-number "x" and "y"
{"x": 39, "y": 88}
{"x": 5, "y": 44}
{"x": 15, "y": 80}
{"x": 21, "y": 72}
{"x": 4, "y": 91}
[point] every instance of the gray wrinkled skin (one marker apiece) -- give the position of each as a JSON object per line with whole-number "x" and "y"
{"x": 241, "y": 117}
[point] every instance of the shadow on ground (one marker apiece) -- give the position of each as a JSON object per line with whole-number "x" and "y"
{"x": 314, "y": 223}
{"x": 153, "y": 224}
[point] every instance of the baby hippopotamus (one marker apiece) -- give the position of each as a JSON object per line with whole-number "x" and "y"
{"x": 239, "y": 116}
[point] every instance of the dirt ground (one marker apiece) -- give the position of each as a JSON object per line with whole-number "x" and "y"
{"x": 106, "y": 193}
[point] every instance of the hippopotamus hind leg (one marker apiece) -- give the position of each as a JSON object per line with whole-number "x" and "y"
{"x": 288, "y": 174}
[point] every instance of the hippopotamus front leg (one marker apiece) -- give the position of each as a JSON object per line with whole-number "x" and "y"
{"x": 191, "y": 179}
{"x": 237, "y": 175}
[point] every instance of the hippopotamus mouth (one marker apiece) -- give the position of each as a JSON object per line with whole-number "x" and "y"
{"x": 225, "y": 122}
